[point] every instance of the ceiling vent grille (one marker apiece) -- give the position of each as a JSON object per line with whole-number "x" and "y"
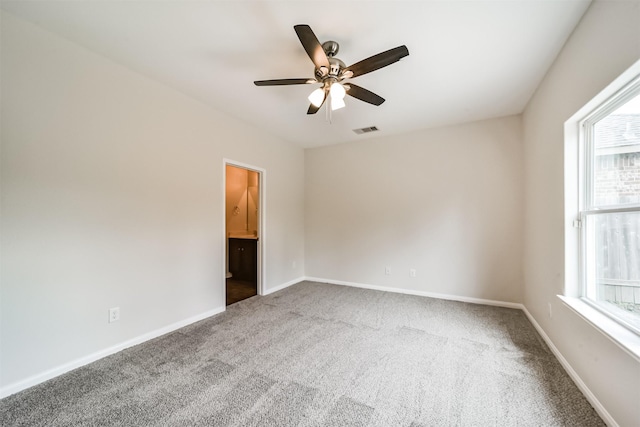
{"x": 366, "y": 130}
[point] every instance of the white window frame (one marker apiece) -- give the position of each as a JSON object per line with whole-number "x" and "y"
{"x": 578, "y": 205}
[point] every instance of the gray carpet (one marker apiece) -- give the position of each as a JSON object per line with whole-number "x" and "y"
{"x": 322, "y": 355}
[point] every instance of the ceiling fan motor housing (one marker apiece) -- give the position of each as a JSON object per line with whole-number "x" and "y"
{"x": 335, "y": 65}
{"x": 330, "y": 48}
{"x": 335, "y": 69}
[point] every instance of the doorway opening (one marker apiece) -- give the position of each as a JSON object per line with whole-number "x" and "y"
{"x": 242, "y": 232}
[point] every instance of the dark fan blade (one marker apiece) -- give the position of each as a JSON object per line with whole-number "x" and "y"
{"x": 378, "y": 61}
{"x": 312, "y": 45}
{"x": 281, "y": 82}
{"x": 313, "y": 109}
{"x": 363, "y": 94}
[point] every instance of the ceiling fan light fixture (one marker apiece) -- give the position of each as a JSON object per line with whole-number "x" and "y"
{"x": 337, "y": 91}
{"x": 317, "y": 97}
{"x": 330, "y": 71}
{"x": 337, "y": 103}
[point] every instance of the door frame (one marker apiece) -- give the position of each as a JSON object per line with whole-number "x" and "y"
{"x": 261, "y": 246}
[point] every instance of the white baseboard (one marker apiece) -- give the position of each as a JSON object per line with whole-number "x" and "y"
{"x": 419, "y": 293}
{"x": 600, "y": 409}
{"x": 59, "y": 370}
{"x": 283, "y": 286}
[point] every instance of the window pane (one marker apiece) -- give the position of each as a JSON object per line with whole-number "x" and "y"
{"x": 616, "y": 164}
{"x": 613, "y": 258}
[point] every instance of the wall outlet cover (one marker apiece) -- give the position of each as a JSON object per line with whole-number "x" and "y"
{"x": 114, "y": 314}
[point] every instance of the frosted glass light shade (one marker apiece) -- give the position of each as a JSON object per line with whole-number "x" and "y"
{"x": 337, "y": 103}
{"x": 337, "y": 92}
{"x": 316, "y": 97}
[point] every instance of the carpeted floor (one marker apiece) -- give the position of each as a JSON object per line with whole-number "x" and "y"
{"x": 322, "y": 355}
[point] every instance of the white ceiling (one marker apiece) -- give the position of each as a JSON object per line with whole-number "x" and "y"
{"x": 469, "y": 60}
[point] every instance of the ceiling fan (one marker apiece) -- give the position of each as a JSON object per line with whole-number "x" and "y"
{"x": 331, "y": 72}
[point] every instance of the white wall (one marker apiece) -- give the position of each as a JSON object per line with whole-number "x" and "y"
{"x": 112, "y": 195}
{"x": 446, "y": 202}
{"x": 605, "y": 43}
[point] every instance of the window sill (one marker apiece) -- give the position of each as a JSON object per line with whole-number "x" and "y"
{"x": 621, "y": 336}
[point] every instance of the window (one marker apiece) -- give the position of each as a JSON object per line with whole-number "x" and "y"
{"x": 609, "y": 206}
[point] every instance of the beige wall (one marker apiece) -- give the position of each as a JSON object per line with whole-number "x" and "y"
{"x": 605, "y": 43}
{"x": 446, "y": 202}
{"x": 112, "y": 195}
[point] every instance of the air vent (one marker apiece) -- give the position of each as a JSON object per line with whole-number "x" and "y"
{"x": 366, "y": 130}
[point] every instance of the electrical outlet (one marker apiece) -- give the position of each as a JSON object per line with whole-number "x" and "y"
{"x": 293, "y": 265}
{"x": 114, "y": 314}
{"x": 387, "y": 271}
{"x": 550, "y": 311}
{"x": 412, "y": 272}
